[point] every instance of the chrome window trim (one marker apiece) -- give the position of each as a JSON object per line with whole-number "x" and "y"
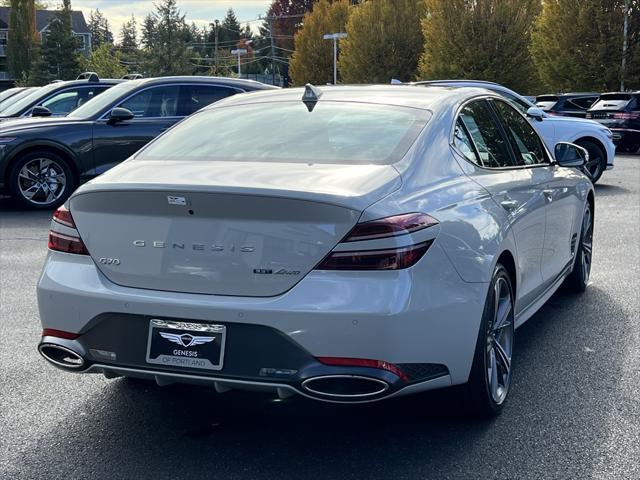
{"x": 104, "y": 115}
{"x": 493, "y": 169}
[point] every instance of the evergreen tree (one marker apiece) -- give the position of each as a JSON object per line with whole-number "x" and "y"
{"x": 312, "y": 60}
{"x": 99, "y": 28}
{"x": 229, "y": 33}
{"x": 578, "y": 45}
{"x": 106, "y": 62}
{"x": 129, "y": 35}
{"x": 485, "y": 40}
{"x": 59, "y": 46}
{"x": 165, "y": 38}
{"x": 384, "y": 41}
{"x": 22, "y": 40}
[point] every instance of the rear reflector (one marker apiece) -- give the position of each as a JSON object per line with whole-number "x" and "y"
{"x": 51, "y": 332}
{"x": 63, "y": 236}
{"x": 364, "y": 362}
{"x": 626, "y": 116}
{"x": 391, "y": 259}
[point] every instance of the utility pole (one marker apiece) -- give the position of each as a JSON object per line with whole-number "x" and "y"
{"x": 216, "y": 45}
{"x": 335, "y": 37}
{"x": 239, "y": 52}
{"x": 273, "y": 52}
{"x": 625, "y": 32}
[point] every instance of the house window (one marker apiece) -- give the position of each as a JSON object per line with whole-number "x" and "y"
{"x": 3, "y": 37}
{"x": 82, "y": 41}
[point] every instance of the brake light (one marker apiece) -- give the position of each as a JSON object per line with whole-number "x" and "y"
{"x": 364, "y": 362}
{"x": 390, "y": 227}
{"x": 392, "y": 258}
{"x": 627, "y": 116}
{"x": 64, "y": 236}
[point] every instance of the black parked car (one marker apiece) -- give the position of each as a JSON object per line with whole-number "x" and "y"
{"x": 567, "y": 104}
{"x": 620, "y": 112}
{"x": 57, "y": 98}
{"x": 42, "y": 160}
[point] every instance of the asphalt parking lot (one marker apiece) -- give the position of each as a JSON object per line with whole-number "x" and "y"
{"x": 574, "y": 411}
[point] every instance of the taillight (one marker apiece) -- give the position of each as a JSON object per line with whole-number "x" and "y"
{"x": 364, "y": 362}
{"x": 52, "y": 332}
{"x": 393, "y": 258}
{"x": 627, "y": 116}
{"x": 64, "y": 236}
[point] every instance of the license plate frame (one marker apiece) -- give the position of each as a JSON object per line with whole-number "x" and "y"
{"x": 191, "y": 339}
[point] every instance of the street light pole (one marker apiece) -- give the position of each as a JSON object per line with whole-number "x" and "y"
{"x": 625, "y": 28}
{"x": 335, "y": 37}
{"x": 239, "y": 52}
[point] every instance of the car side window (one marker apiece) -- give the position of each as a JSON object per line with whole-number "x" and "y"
{"x": 199, "y": 96}
{"x": 462, "y": 141}
{"x": 525, "y": 141}
{"x": 67, "y": 101}
{"x": 490, "y": 144}
{"x": 516, "y": 102}
{"x": 154, "y": 102}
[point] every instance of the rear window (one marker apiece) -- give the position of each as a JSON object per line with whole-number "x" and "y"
{"x": 618, "y": 101}
{"x": 334, "y": 132}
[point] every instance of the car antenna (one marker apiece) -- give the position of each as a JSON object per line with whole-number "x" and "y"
{"x": 311, "y": 96}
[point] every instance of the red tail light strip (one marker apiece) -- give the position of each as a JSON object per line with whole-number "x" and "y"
{"x": 391, "y": 259}
{"x": 364, "y": 362}
{"x": 390, "y": 227}
{"x": 52, "y": 332}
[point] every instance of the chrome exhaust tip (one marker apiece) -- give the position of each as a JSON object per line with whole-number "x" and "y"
{"x": 61, "y": 357}
{"x": 345, "y": 387}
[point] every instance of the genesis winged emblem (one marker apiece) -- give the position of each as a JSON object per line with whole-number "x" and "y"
{"x": 185, "y": 339}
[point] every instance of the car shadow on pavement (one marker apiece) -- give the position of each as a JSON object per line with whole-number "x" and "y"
{"x": 131, "y": 429}
{"x": 603, "y": 189}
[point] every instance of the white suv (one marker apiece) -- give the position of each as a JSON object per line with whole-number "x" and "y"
{"x": 594, "y": 137}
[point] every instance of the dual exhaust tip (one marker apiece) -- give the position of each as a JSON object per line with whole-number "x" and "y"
{"x": 61, "y": 356}
{"x": 329, "y": 387}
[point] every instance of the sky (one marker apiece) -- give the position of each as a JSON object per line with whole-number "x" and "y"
{"x": 202, "y": 12}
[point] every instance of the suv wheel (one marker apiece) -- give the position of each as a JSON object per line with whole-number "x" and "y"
{"x": 40, "y": 180}
{"x": 597, "y": 160}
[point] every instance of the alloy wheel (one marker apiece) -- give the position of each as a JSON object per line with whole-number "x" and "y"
{"x": 586, "y": 250}
{"x": 499, "y": 347}
{"x": 42, "y": 181}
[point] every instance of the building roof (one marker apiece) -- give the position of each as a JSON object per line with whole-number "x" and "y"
{"x": 43, "y": 18}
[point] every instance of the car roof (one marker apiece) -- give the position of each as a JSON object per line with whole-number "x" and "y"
{"x": 569, "y": 94}
{"x": 72, "y": 83}
{"x": 231, "y": 82}
{"x": 636, "y": 92}
{"x": 398, "y": 95}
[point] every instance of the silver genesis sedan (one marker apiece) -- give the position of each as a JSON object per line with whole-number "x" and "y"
{"x": 348, "y": 244}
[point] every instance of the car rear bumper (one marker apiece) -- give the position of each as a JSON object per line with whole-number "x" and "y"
{"x": 424, "y": 320}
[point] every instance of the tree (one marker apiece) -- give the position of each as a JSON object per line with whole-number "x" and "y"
{"x": 22, "y": 41}
{"x": 229, "y": 33}
{"x": 129, "y": 35}
{"x": 99, "y": 28}
{"x": 578, "y": 45}
{"x": 312, "y": 60}
{"x": 484, "y": 39}
{"x": 165, "y": 35}
{"x": 59, "y": 46}
{"x": 105, "y": 61}
{"x": 384, "y": 41}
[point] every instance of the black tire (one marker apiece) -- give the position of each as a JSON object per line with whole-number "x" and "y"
{"x": 597, "y": 163}
{"x": 477, "y": 397}
{"x": 578, "y": 279}
{"x": 52, "y": 168}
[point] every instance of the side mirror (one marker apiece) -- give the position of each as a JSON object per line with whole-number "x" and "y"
{"x": 118, "y": 115}
{"x": 570, "y": 155}
{"x": 40, "y": 111}
{"x": 535, "y": 113}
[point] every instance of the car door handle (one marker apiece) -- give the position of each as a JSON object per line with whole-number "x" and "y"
{"x": 548, "y": 194}
{"x": 510, "y": 205}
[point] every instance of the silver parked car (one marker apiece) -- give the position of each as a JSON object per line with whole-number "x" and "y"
{"x": 348, "y": 244}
